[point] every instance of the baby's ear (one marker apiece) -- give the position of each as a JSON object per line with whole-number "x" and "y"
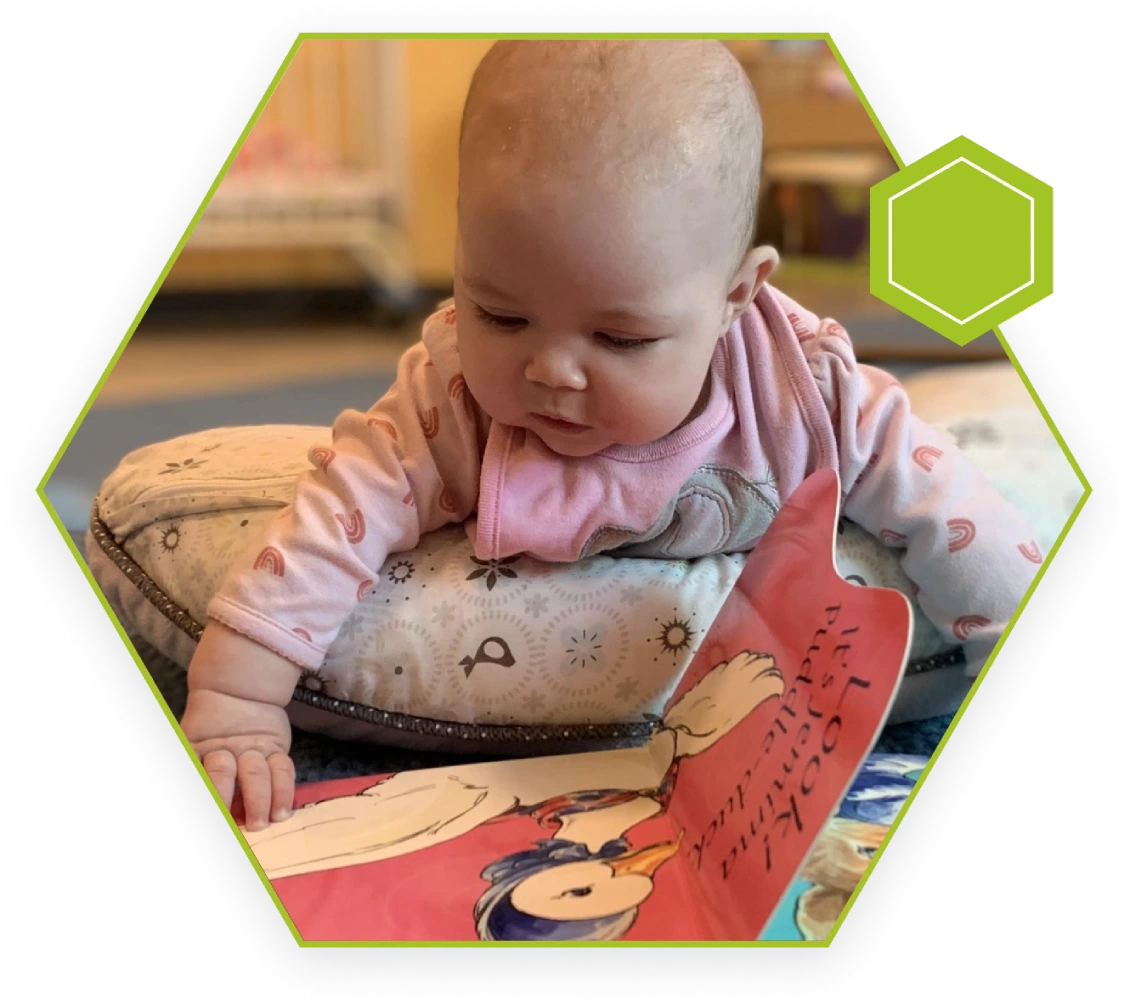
{"x": 751, "y": 274}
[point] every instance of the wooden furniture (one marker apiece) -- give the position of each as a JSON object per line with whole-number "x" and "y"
{"x": 321, "y": 178}
{"x": 816, "y": 132}
{"x": 807, "y": 102}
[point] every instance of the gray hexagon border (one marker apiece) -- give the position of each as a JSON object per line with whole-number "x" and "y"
{"x": 234, "y": 890}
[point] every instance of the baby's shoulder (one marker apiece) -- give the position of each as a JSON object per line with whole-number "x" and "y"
{"x": 787, "y": 325}
{"x": 791, "y": 354}
{"x": 805, "y": 324}
{"x": 439, "y": 346}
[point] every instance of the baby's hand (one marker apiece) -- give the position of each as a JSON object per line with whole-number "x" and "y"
{"x": 243, "y": 743}
{"x": 236, "y": 721}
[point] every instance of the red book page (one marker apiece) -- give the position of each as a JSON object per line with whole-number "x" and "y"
{"x": 694, "y": 836}
{"x": 754, "y": 802}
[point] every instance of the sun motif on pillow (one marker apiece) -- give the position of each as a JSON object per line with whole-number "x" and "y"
{"x": 401, "y": 572}
{"x": 170, "y": 538}
{"x": 312, "y": 679}
{"x": 674, "y": 636}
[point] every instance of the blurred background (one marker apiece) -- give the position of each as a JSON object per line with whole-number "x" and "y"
{"x": 332, "y": 234}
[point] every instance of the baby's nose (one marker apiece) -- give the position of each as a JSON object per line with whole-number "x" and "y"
{"x": 557, "y": 368}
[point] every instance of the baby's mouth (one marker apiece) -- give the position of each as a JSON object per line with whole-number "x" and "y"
{"x": 560, "y": 424}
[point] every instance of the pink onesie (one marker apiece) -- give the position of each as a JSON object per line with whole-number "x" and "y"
{"x": 786, "y": 398}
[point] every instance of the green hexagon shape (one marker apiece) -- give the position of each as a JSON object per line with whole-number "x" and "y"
{"x": 961, "y": 240}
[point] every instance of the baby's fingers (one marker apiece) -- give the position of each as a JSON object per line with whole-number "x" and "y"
{"x": 255, "y": 787}
{"x": 220, "y": 766}
{"x": 282, "y": 786}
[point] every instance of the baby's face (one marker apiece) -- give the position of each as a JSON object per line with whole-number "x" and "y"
{"x": 587, "y": 315}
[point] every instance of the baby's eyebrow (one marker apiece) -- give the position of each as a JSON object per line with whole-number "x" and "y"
{"x": 634, "y": 317}
{"x": 484, "y": 286}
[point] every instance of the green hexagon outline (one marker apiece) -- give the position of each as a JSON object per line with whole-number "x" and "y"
{"x": 1031, "y": 240}
{"x": 41, "y": 492}
{"x": 886, "y": 191}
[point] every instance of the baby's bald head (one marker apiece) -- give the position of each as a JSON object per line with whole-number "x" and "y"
{"x": 636, "y": 114}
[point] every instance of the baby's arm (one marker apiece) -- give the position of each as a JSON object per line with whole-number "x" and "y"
{"x": 236, "y": 722}
{"x": 405, "y": 467}
{"x": 969, "y": 552}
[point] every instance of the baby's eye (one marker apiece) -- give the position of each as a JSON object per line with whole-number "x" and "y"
{"x": 614, "y": 342}
{"x": 499, "y": 321}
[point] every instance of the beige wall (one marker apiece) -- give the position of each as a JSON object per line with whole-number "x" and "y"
{"x": 438, "y": 74}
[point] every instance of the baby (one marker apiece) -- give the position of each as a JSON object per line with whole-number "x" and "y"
{"x": 614, "y": 375}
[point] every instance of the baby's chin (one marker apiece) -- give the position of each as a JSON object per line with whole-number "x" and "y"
{"x": 589, "y": 443}
{"x": 584, "y": 445}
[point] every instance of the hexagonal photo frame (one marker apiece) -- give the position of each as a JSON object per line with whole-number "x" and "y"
{"x": 85, "y": 625}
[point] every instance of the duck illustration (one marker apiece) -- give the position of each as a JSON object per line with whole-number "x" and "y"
{"x": 562, "y": 891}
{"x": 586, "y": 882}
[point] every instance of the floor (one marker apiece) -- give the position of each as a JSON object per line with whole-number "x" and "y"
{"x": 180, "y": 364}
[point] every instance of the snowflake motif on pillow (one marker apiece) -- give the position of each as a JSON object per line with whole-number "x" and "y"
{"x": 444, "y": 614}
{"x": 974, "y": 431}
{"x": 627, "y": 688}
{"x": 534, "y": 702}
{"x": 631, "y": 595}
{"x": 353, "y": 626}
{"x": 536, "y": 605}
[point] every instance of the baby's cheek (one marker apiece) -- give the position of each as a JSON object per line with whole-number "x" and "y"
{"x": 486, "y": 378}
{"x": 489, "y": 396}
{"x": 646, "y": 413}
